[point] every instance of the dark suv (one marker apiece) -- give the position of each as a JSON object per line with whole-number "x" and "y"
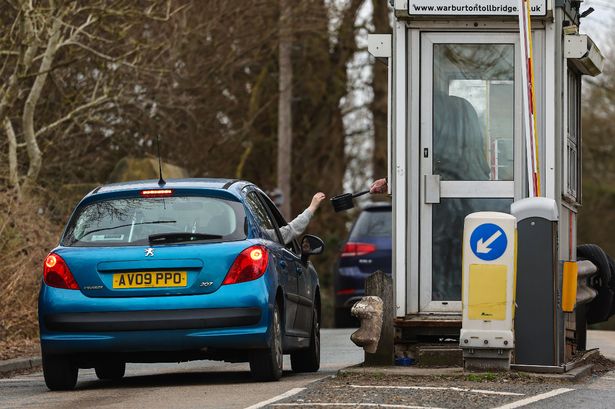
{"x": 368, "y": 249}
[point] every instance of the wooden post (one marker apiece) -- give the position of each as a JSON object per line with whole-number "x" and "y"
{"x": 285, "y": 127}
{"x": 381, "y": 285}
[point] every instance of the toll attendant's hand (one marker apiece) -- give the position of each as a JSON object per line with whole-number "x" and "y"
{"x": 379, "y": 186}
{"x": 316, "y": 200}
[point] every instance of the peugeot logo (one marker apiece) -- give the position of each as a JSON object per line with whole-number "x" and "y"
{"x": 149, "y": 252}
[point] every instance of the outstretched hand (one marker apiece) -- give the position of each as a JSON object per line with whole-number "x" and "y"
{"x": 379, "y": 186}
{"x": 316, "y": 200}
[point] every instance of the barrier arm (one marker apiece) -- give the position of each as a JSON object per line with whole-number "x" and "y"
{"x": 529, "y": 99}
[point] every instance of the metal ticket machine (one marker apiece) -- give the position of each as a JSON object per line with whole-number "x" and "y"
{"x": 456, "y": 136}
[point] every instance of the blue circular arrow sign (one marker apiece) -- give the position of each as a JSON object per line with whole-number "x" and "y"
{"x": 488, "y": 241}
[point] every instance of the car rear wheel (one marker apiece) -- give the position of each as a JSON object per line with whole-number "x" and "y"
{"x": 266, "y": 364}
{"x": 112, "y": 371}
{"x": 60, "y": 372}
{"x": 308, "y": 360}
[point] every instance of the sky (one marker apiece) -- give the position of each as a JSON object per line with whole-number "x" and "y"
{"x": 600, "y": 25}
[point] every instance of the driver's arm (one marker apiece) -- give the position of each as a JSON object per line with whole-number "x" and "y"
{"x": 296, "y": 226}
{"x": 299, "y": 223}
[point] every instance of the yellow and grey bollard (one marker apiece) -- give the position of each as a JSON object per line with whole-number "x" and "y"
{"x": 488, "y": 290}
{"x": 539, "y": 320}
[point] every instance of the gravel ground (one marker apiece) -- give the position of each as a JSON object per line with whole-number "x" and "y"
{"x": 471, "y": 391}
{"x": 601, "y": 364}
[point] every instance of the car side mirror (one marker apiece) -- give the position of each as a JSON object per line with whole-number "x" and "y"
{"x": 311, "y": 245}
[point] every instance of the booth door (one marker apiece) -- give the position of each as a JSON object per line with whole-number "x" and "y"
{"x": 470, "y": 125}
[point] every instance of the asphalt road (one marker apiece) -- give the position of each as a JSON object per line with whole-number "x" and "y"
{"x": 206, "y": 384}
{"x": 199, "y": 384}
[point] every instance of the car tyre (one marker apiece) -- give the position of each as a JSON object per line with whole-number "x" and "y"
{"x": 267, "y": 364}
{"x": 598, "y": 309}
{"x": 112, "y": 371}
{"x": 308, "y": 360}
{"x": 60, "y": 372}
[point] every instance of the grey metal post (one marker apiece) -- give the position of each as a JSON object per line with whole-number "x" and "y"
{"x": 539, "y": 333}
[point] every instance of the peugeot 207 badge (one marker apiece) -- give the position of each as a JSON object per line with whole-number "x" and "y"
{"x": 149, "y": 252}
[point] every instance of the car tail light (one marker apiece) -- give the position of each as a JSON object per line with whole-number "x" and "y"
{"x": 357, "y": 249}
{"x": 249, "y": 265}
{"x": 346, "y": 291}
{"x": 157, "y": 193}
{"x": 57, "y": 274}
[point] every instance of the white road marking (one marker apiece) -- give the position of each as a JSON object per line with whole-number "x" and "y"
{"x": 354, "y": 405}
{"x": 608, "y": 378}
{"x": 533, "y": 399}
{"x": 486, "y": 392}
{"x": 435, "y": 388}
{"x": 276, "y": 398}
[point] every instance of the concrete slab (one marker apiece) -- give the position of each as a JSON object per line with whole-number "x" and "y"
{"x": 433, "y": 356}
{"x": 573, "y": 375}
{"x": 401, "y": 371}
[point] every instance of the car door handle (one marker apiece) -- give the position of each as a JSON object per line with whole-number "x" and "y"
{"x": 299, "y": 270}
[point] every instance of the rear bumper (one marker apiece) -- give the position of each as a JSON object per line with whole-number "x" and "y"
{"x": 349, "y": 286}
{"x": 153, "y": 320}
{"x": 236, "y": 317}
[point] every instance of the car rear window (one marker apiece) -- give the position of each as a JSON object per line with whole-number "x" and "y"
{"x": 131, "y": 221}
{"x": 372, "y": 223}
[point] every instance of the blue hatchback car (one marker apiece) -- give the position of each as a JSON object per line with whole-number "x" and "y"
{"x": 192, "y": 269}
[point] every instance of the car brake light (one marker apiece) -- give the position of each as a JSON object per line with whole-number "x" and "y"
{"x": 357, "y": 249}
{"x": 57, "y": 274}
{"x": 249, "y": 265}
{"x": 346, "y": 291}
{"x": 157, "y": 193}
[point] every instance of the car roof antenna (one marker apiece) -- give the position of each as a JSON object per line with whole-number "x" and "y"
{"x": 161, "y": 181}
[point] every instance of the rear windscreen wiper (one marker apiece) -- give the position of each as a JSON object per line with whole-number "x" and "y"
{"x": 179, "y": 237}
{"x": 127, "y": 225}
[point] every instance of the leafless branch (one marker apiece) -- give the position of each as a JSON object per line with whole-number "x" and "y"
{"x": 34, "y": 153}
{"x": 72, "y": 114}
{"x": 10, "y": 133}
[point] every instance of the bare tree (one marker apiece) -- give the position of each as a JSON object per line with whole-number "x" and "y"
{"x": 85, "y": 83}
{"x": 285, "y": 130}
{"x": 66, "y": 41}
{"x": 378, "y": 106}
{"x": 598, "y": 148}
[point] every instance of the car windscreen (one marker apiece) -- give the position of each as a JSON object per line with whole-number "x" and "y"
{"x": 372, "y": 223}
{"x": 136, "y": 220}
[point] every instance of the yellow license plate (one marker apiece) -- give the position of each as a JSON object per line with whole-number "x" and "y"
{"x": 151, "y": 279}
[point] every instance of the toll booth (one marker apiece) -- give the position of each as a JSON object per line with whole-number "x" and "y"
{"x": 456, "y": 136}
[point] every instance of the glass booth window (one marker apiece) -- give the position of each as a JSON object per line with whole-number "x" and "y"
{"x": 448, "y": 216}
{"x": 572, "y": 168}
{"x": 473, "y": 111}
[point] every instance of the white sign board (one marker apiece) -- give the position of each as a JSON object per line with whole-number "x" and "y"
{"x": 473, "y": 7}
{"x": 488, "y": 280}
